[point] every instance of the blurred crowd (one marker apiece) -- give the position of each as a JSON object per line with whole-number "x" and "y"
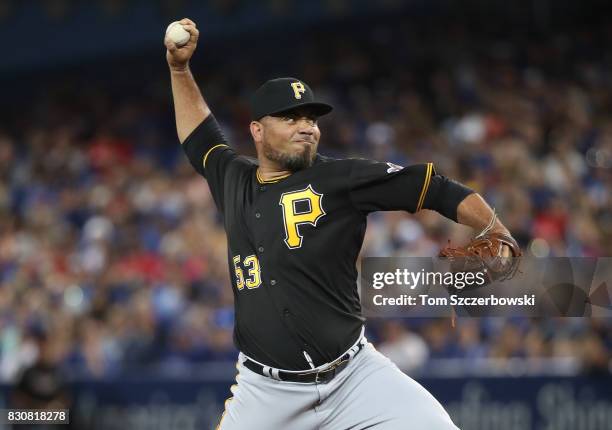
{"x": 111, "y": 249}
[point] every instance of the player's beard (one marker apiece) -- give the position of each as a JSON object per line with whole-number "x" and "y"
{"x": 290, "y": 161}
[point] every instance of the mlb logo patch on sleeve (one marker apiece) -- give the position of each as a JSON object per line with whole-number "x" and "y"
{"x": 393, "y": 168}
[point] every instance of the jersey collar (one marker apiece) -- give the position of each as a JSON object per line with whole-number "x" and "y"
{"x": 261, "y": 180}
{"x": 270, "y": 181}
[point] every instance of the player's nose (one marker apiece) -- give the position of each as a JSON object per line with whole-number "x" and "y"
{"x": 308, "y": 131}
{"x": 306, "y": 127}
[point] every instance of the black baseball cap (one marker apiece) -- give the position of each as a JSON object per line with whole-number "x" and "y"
{"x": 283, "y": 94}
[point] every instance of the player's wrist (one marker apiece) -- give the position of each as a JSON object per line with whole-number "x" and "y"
{"x": 500, "y": 229}
{"x": 179, "y": 68}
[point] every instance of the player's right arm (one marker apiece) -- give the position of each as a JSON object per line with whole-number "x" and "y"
{"x": 190, "y": 108}
{"x": 198, "y": 130}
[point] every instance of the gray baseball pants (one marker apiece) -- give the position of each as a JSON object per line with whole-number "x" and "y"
{"x": 370, "y": 393}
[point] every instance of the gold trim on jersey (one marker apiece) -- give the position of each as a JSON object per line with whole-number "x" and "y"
{"x": 270, "y": 181}
{"x": 425, "y": 186}
{"x": 209, "y": 151}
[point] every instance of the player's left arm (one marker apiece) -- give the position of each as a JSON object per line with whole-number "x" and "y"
{"x": 474, "y": 212}
{"x": 376, "y": 186}
{"x": 463, "y": 205}
{"x": 460, "y": 203}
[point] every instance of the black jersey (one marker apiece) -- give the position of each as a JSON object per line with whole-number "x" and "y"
{"x": 293, "y": 243}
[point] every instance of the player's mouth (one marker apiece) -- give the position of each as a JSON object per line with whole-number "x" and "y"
{"x": 308, "y": 142}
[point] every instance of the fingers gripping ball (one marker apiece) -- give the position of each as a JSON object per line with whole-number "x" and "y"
{"x": 177, "y": 34}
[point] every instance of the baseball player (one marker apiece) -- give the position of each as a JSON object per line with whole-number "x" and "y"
{"x": 295, "y": 222}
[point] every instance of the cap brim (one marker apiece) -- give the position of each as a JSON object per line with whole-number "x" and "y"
{"x": 318, "y": 108}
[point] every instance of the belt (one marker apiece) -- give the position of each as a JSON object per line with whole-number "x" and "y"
{"x": 323, "y": 375}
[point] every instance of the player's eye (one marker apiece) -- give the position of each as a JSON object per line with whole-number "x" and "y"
{"x": 289, "y": 119}
{"x": 310, "y": 121}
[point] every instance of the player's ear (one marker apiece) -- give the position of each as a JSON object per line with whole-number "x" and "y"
{"x": 256, "y": 131}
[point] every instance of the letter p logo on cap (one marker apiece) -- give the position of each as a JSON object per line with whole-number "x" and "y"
{"x": 298, "y": 89}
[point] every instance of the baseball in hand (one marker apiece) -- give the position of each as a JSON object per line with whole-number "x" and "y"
{"x": 177, "y": 33}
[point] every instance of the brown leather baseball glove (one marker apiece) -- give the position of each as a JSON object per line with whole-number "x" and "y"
{"x": 485, "y": 253}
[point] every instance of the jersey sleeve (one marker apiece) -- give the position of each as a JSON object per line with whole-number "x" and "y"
{"x": 377, "y": 186}
{"x": 210, "y": 155}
